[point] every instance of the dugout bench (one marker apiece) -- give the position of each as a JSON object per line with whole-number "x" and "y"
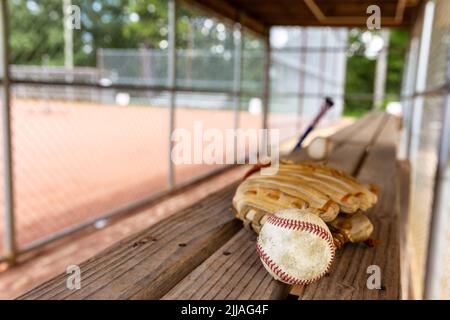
{"x": 203, "y": 252}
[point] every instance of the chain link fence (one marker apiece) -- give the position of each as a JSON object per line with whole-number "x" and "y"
{"x": 91, "y": 135}
{"x": 306, "y": 68}
{"x": 77, "y": 160}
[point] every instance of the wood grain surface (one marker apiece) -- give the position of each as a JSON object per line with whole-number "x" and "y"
{"x": 233, "y": 272}
{"x": 147, "y": 265}
{"x": 348, "y": 277}
{"x": 242, "y": 262}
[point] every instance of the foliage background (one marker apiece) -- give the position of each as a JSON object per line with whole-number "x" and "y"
{"x": 361, "y": 72}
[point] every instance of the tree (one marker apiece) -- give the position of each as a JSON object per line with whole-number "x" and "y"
{"x": 36, "y": 32}
{"x": 361, "y": 71}
{"x": 37, "y": 29}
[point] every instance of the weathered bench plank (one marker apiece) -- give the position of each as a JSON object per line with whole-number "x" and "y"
{"x": 348, "y": 156}
{"x": 147, "y": 265}
{"x": 233, "y": 272}
{"x": 343, "y": 135}
{"x": 348, "y": 278}
{"x": 254, "y": 281}
{"x": 349, "y": 143}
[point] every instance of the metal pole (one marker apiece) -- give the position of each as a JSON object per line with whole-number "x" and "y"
{"x": 323, "y": 61}
{"x": 68, "y": 35}
{"x": 437, "y": 236}
{"x": 68, "y": 46}
{"x": 172, "y": 78}
{"x": 410, "y": 73}
{"x": 421, "y": 78}
{"x": 100, "y": 67}
{"x": 267, "y": 64}
{"x": 380, "y": 72}
{"x": 237, "y": 71}
{"x": 301, "y": 98}
{"x": 343, "y": 79}
{"x": 9, "y": 243}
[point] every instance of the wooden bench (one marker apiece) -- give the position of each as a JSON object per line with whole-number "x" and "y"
{"x": 204, "y": 253}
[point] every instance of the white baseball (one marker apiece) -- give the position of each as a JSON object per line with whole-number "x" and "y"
{"x": 319, "y": 148}
{"x": 295, "y": 246}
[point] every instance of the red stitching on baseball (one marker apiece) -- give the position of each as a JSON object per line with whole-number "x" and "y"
{"x": 298, "y": 226}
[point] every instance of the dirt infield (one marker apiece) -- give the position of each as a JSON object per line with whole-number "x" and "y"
{"x": 74, "y": 161}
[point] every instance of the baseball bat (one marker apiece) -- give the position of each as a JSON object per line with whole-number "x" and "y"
{"x": 326, "y": 105}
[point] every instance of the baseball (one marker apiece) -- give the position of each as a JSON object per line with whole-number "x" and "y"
{"x": 319, "y": 148}
{"x": 295, "y": 246}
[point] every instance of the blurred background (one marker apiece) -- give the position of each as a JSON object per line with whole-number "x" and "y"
{"x": 91, "y": 108}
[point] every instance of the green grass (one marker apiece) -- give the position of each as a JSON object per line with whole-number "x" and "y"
{"x": 354, "y": 113}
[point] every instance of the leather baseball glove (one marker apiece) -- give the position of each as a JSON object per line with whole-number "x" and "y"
{"x": 327, "y": 192}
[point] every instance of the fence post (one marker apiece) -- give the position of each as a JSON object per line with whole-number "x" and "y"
{"x": 68, "y": 47}
{"x": 323, "y": 63}
{"x": 407, "y": 99}
{"x": 9, "y": 228}
{"x": 237, "y": 71}
{"x": 302, "y": 78}
{"x": 437, "y": 236}
{"x": 379, "y": 92}
{"x": 421, "y": 79}
{"x": 172, "y": 79}
{"x": 267, "y": 63}
{"x": 68, "y": 35}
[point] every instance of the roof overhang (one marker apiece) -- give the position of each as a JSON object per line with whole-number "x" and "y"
{"x": 260, "y": 15}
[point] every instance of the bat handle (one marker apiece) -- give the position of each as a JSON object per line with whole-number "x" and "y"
{"x": 327, "y": 105}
